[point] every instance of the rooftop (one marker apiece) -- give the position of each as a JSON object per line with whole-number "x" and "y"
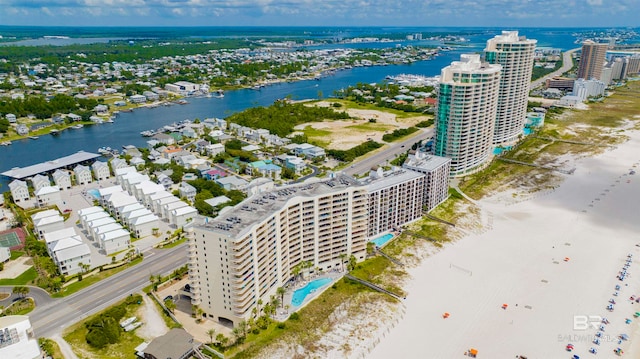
{"x": 258, "y": 207}
{"x": 24, "y": 172}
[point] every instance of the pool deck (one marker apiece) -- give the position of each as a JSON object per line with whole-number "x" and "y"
{"x": 282, "y": 314}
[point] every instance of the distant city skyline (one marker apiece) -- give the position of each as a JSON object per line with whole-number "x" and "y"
{"x": 491, "y": 13}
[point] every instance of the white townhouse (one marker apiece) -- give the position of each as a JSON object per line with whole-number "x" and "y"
{"x": 167, "y": 208}
{"x": 118, "y": 163}
{"x": 187, "y": 191}
{"x": 129, "y": 217}
{"x": 47, "y": 222}
{"x": 124, "y": 211}
{"x": 122, "y": 171}
{"x": 83, "y": 175}
{"x": 97, "y": 231}
{"x": 69, "y": 253}
{"x": 92, "y": 225}
{"x": 85, "y": 219}
{"x": 19, "y": 191}
{"x": 143, "y": 226}
{"x": 161, "y": 202}
{"x": 62, "y": 179}
{"x": 39, "y": 181}
{"x": 100, "y": 170}
{"x": 181, "y": 216}
{"x": 146, "y": 188}
{"x": 114, "y": 241}
{"x": 48, "y": 195}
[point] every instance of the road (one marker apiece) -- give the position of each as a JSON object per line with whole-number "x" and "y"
{"x": 567, "y": 64}
{"x": 57, "y": 314}
{"x": 389, "y": 153}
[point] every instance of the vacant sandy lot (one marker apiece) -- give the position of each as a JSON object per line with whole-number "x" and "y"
{"x": 342, "y": 135}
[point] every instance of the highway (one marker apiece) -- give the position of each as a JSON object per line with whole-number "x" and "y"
{"x": 57, "y": 314}
{"x": 389, "y": 153}
{"x": 567, "y": 64}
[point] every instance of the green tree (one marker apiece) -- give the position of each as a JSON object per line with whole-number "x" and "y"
{"x": 281, "y": 291}
{"x": 211, "y": 333}
{"x": 21, "y": 290}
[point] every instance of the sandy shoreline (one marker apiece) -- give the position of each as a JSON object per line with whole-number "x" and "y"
{"x": 591, "y": 218}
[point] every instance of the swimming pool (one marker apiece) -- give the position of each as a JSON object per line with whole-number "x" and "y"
{"x": 300, "y": 294}
{"x": 95, "y": 193}
{"x": 382, "y": 240}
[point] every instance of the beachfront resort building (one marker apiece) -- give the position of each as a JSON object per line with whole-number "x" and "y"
{"x": 244, "y": 255}
{"x": 18, "y": 340}
{"x": 592, "y": 59}
{"x": 465, "y": 114}
{"x": 515, "y": 54}
{"x": 436, "y": 170}
{"x": 19, "y": 191}
{"x": 395, "y": 199}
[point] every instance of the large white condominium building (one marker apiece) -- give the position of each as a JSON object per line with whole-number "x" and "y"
{"x": 246, "y": 253}
{"x": 515, "y": 54}
{"x": 395, "y": 198}
{"x": 436, "y": 170}
{"x": 466, "y": 112}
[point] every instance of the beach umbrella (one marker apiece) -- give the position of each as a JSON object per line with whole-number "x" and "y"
{"x": 473, "y": 352}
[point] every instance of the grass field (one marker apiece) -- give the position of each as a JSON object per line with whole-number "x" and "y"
{"x": 89, "y": 280}
{"x": 23, "y": 279}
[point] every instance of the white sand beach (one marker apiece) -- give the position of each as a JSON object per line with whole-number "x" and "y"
{"x": 592, "y": 219}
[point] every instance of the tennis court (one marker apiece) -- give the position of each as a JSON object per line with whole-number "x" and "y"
{"x": 13, "y": 238}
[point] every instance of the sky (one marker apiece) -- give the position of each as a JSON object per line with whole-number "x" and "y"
{"x": 522, "y": 13}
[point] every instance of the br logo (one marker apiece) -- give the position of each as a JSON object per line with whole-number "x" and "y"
{"x": 584, "y": 322}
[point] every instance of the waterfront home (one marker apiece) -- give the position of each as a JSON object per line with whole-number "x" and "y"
{"x": 39, "y": 181}
{"x": 188, "y": 132}
{"x": 215, "y": 123}
{"x": 74, "y": 117}
{"x": 19, "y": 191}
{"x": 101, "y": 170}
{"x": 151, "y": 96}
{"x": 22, "y": 130}
{"x": 164, "y": 138}
{"x": 143, "y": 226}
{"x": 101, "y": 109}
{"x": 120, "y": 103}
{"x": 11, "y": 118}
{"x": 83, "y": 175}
{"x": 48, "y": 195}
{"x": 62, "y": 179}
{"x": 137, "y": 99}
{"x": 183, "y": 88}
{"x": 187, "y": 191}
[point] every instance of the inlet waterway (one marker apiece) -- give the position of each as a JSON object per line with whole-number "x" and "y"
{"x": 127, "y": 126}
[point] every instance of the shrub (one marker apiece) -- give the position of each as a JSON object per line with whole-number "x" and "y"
{"x": 294, "y": 316}
{"x": 281, "y": 326}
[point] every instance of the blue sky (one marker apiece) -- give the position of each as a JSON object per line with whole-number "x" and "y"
{"x": 521, "y": 13}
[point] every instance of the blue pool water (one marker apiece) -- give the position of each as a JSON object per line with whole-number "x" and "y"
{"x": 526, "y": 131}
{"x": 94, "y": 192}
{"x": 300, "y": 294}
{"x": 499, "y": 150}
{"x": 382, "y": 240}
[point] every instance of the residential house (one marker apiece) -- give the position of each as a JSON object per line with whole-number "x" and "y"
{"x": 164, "y": 138}
{"x": 19, "y": 191}
{"x": 62, "y": 179}
{"x": 122, "y": 172}
{"x": 215, "y": 201}
{"x": 309, "y": 151}
{"x": 83, "y": 175}
{"x": 22, "y": 130}
{"x": 232, "y": 183}
{"x": 39, "y": 182}
{"x": 114, "y": 241}
{"x": 176, "y": 344}
{"x": 151, "y": 96}
{"x": 187, "y": 191}
{"x": 48, "y": 195}
{"x": 164, "y": 180}
{"x": 70, "y": 254}
{"x": 215, "y": 123}
{"x": 159, "y": 203}
{"x": 214, "y": 149}
{"x": 167, "y": 208}
{"x": 118, "y": 163}
{"x": 264, "y": 168}
{"x": 11, "y": 118}
{"x": 101, "y": 170}
{"x": 213, "y": 174}
{"x": 43, "y": 224}
{"x": 137, "y": 99}
{"x": 96, "y": 232}
{"x": 181, "y": 216}
{"x": 143, "y": 226}
{"x": 85, "y": 219}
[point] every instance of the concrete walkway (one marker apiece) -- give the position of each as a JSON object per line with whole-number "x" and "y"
{"x": 65, "y": 348}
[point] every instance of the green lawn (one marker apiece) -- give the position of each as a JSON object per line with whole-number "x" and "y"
{"x": 23, "y": 279}
{"x": 87, "y": 281}
{"x": 346, "y": 104}
{"x": 16, "y": 254}
{"x": 371, "y": 126}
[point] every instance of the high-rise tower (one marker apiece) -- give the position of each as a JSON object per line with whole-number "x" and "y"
{"x": 592, "y": 60}
{"x": 515, "y": 54}
{"x": 466, "y": 112}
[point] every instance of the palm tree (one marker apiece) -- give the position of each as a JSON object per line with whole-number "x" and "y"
{"x": 21, "y": 290}
{"x": 343, "y": 257}
{"x": 296, "y": 271}
{"x": 280, "y": 291}
{"x": 259, "y": 304}
{"x": 211, "y": 333}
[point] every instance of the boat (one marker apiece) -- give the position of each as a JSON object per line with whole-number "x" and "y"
{"x": 78, "y": 126}
{"x": 109, "y": 120}
{"x": 54, "y": 132}
{"x": 147, "y": 133}
{"x": 5, "y": 143}
{"x": 34, "y": 137}
{"x": 182, "y": 102}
